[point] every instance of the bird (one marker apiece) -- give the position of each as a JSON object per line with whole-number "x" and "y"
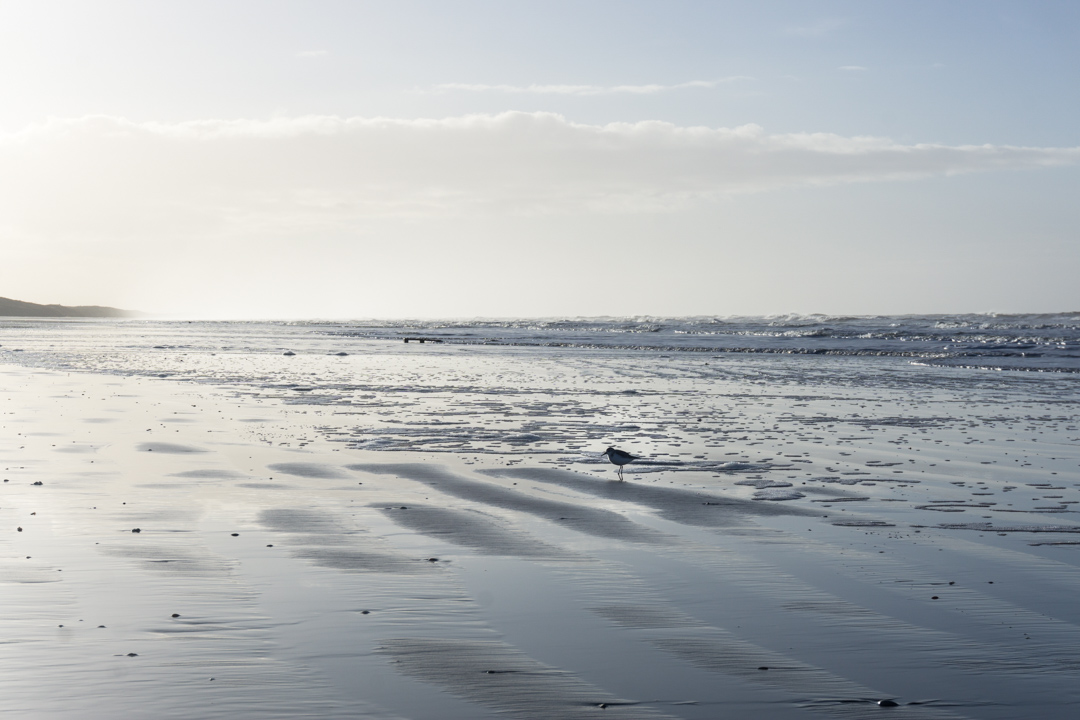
{"x": 619, "y": 458}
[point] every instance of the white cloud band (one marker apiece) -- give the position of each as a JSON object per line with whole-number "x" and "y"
{"x": 106, "y": 175}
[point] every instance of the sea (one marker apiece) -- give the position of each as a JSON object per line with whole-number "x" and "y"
{"x": 558, "y": 385}
{"x": 1046, "y": 342}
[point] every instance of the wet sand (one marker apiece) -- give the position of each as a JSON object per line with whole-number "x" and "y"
{"x": 184, "y": 550}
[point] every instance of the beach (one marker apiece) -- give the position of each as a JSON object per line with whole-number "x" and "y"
{"x": 195, "y": 524}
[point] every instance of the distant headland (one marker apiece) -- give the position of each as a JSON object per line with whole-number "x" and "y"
{"x": 18, "y": 308}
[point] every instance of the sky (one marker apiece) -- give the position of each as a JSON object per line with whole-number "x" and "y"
{"x": 498, "y": 158}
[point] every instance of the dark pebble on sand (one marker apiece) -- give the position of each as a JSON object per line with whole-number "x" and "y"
{"x": 433, "y": 559}
{"x": 236, "y": 534}
{"x": 176, "y": 614}
{"x": 365, "y": 612}
{"x": 136, "y": 530}
{"x": 19, "y": 529}
{"x": 403, "y": 508}
{"x": 341, "y": 354}
{"x": 100, "y": 626}
{"x": 933, "y": 597}
{"x": 287, "y": 353}
{"x": 888, "y": 703}
{"x": 269, "y": 546}
{"x": 37, "y": 483}
{"x": 763, "y": 667}
{"x": 133, "y": 654}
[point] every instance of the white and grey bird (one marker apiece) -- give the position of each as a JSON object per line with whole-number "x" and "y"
{"x": 619, "y": 458}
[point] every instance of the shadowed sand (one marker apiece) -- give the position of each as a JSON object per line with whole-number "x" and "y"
{"x": 473, "y": 529}
{"x": 682, "y": 506}
{"x": 309, "y": 470}
{"x": 328, "y": 541}
{"x": 591, "y": 521}
{"x": 496, "y": 674}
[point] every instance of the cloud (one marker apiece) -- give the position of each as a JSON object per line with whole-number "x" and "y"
{"x": 583, "y": 89}
{"x": 107, "y": 177}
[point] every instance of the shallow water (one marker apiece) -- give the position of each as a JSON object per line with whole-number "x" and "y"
{"x": 428, "y": 531}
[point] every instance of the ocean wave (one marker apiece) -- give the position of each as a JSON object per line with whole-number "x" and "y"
{"x": 1045, "y": 342}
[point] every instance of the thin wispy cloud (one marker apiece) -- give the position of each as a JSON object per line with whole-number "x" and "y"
{"x": 110, "y": 177}
{"x": 583, "y": 89}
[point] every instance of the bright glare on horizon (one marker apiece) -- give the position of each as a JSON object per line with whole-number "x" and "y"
{"x": 436, "y": 159}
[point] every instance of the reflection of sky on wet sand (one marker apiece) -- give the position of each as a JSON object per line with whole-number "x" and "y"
{"x": 472, "y": 573}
